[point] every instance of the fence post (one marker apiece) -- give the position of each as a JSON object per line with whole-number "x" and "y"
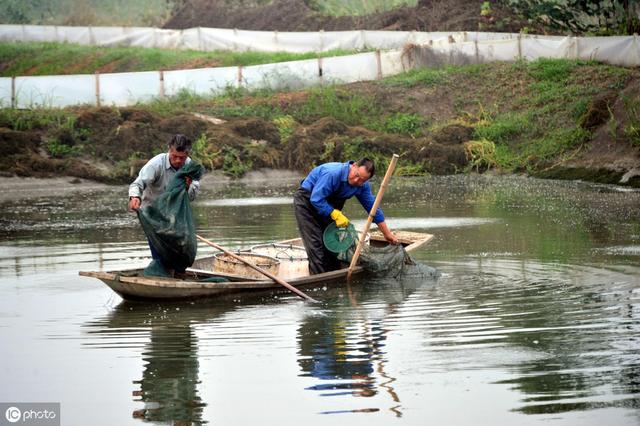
{"x": 13, "y": 91}
{"x": 577, "y": 50}
{"x": 519, "y": 46}
{"x": 239, "y": 76}
{"x": 321, "y": 35}
{"x": 161, "y": 84}
{"x": 475, "y": 44}
{"x": 320, "y": 70}
{"x": 235, "y": 39}
{"x": 97, "y": 89}
{"x": 379, "y": 63}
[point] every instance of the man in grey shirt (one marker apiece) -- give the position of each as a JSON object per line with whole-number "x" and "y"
{"x": 156, "y": 174}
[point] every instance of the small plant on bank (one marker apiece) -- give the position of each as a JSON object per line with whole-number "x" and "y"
{"x": 201, "y": 154}
{"x": 632, "y": 129}
{"x": 405, "y": 124}
{"x": 234, "y": 164}
{"x": 286, "y": 125}
{"x": 481, "y": 154}
{"x": 61, "y": 150}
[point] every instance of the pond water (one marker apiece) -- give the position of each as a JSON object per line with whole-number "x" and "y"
{"x": 535, "y": 318}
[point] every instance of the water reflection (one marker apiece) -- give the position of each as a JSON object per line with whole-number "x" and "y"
{"x": 535, "y": 319}
{"x": 168, "y": 387}
{"x": 344, "y": 348}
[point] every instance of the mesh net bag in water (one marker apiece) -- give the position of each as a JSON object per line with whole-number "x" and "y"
{"x": 393, "y": 261}
{"x": 390, "y": 261}
{"x": 168, "y": 223}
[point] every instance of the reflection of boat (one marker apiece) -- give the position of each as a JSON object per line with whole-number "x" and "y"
{"x": 131, "y": 284}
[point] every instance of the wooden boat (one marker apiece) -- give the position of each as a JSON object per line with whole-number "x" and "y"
{"x": 130, "y": 284}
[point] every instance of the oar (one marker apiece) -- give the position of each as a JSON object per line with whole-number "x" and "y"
{"x": 372, "y": 213}
{"x": 257, "y": 268}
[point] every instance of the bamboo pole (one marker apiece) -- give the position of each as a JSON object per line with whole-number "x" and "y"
{"x": 257, "y": 268}
{"x": 372, "y": 213}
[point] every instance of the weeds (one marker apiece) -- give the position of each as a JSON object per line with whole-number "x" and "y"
{"x": 552, "y": 70}
{"x": 423, "y": 77}
{"x": 481, "y": 154}
{"x": 503, "y": 128}
{"x": 349, "y": 107}
{"x": 233, "y": 163}
{"x": 39, "y": 58}
{"x": 404, "y": 124}
{"x": 61, "y": 150}
{"x": 632, "y": 129}
{"x": 286, "y": 125}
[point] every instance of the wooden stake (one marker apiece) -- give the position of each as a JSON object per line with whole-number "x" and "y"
{"x": 372, "y": 213}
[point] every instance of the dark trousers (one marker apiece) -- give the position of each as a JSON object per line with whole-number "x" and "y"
{"x": 311, "y": 226}
{"x": 156, "y": 256}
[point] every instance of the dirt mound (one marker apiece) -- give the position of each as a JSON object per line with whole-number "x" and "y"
{"x": 296, "y": 15}
{"x": 111, "y": 145}
{"x": 331, "y": 140}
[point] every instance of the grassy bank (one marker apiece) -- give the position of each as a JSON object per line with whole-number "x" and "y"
{"x": 66, "y": 58}
{"x": 509, "y": 117}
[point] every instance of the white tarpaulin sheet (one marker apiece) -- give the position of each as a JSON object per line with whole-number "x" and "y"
{"x": 285, "y": 75}
{"x": 561, "y": 48}
{"x": 349, "y": 69}
{"x": 129, "y": 87}
{"x": 435, "y": 49}
{"x": 54, "y": 91}
{"x": 613, "y": 50}
{"x": 392, "y": 63}
{"x": 5, "y": 92}
{"x": 204, "y": 81}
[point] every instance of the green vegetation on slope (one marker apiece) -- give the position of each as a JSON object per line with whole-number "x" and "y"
{"x": 357, "y": 7}
{"x": 66, "y": 58}
{"x": 149, "y": 13}
{"x": 524, "y": 116}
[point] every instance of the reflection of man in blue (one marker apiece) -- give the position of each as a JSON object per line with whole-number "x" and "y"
{"x": 325, "y": 353}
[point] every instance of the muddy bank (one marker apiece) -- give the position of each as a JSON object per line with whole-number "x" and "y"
{"x": 111, "y": 144}
{"x": 552, "y": 119}
{"x": 296, "y": 15}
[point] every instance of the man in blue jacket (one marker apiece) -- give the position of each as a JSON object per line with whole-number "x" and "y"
{"x": 320, "y": 199}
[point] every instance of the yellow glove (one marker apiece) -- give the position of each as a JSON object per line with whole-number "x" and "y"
{"x": 341, "y": 220}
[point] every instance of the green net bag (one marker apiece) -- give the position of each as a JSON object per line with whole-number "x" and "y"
{"x": 169, "y": 225}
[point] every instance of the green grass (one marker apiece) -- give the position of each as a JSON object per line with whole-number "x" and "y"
{"x": 525, "y": 117}
{"x": 357, "y": 7}
{"x": 86, "y": 12}
{"x": 421, "y": 77}
{"x": 350, "y": 107}
{"x": 504, "y": 127}
{"x": 66, "y": 58}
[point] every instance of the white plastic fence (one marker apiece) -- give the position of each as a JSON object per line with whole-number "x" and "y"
{"x": 429, "y": 49}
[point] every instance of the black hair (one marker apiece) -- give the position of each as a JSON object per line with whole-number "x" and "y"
{"x": 368, "y": 165}
{"x": 181, "y": 143}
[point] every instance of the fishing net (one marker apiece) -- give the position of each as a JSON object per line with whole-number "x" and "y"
{"x": 339, "y": 240}
{"x": 169, "y": 225}
{"x": 390, "y": 261}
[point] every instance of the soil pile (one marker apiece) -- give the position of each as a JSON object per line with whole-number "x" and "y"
{"x": 296, "y": 15}
{"x": 111, "y": 145}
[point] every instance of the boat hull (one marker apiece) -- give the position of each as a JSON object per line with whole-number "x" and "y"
{"x": 132, "y": 285}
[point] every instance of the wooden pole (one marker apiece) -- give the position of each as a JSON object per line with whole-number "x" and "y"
{"x": 257, "y": 268}
{"x": 372, "y": 213}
